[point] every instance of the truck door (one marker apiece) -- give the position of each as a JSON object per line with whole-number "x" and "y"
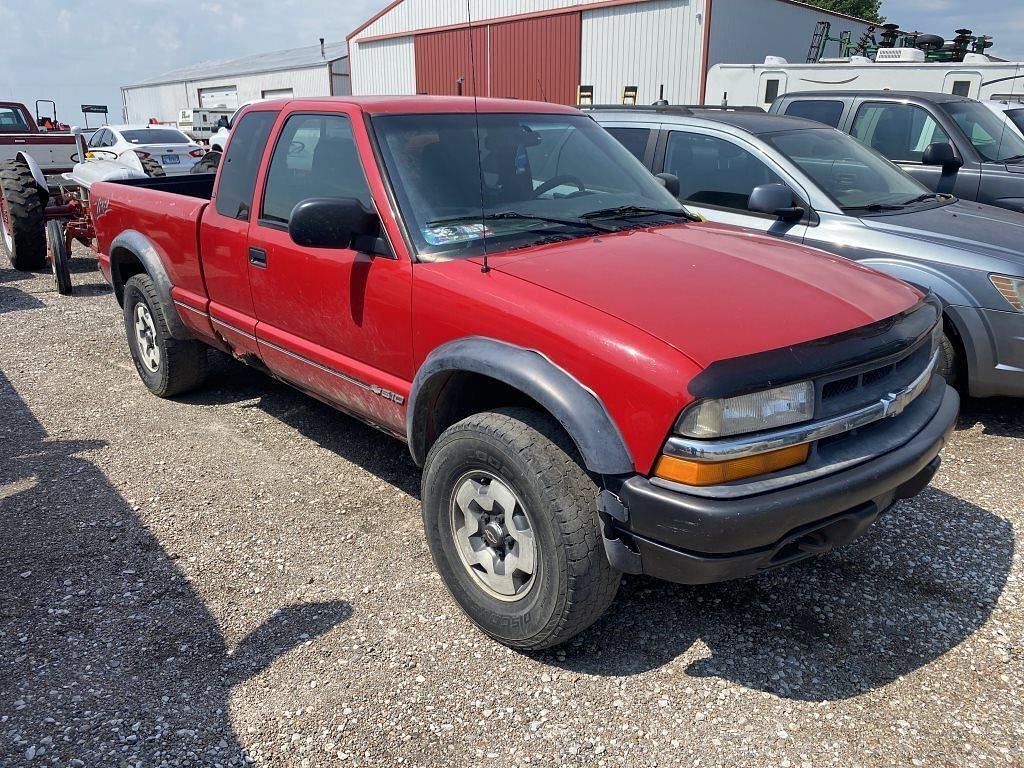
{"x": 336, "y": 322}
{"x": 716, "y": 176}
{"x": 902, "y": 132}
{"x": 224, "y": 233}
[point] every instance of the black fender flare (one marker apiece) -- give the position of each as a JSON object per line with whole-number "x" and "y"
{"x": 134, "y": 243}
{"x": 576, "y": 407}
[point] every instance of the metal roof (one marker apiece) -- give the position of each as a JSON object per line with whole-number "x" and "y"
{"x": 276, "y": 61}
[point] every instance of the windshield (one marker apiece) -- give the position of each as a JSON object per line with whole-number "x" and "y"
{"x": 853, "y": 175}
{"x": 12, "y": 120}
{"x": 1016, "y": 116}
{"x": 991, "y": 134}
{"x": 541, "y": 177}
{"x": 155, "y": 136}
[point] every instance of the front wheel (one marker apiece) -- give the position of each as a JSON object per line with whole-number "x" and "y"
{"x": 57, "y": 251}
{"x": 949, "y": 361}
{"x": 167, "y": 366}
{"x": 511, "y": 522}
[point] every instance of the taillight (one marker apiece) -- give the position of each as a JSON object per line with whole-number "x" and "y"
{"x": 140, "y": 153}
{"x": 197, "y": 152}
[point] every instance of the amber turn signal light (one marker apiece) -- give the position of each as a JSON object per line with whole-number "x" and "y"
{"x": 689, "y": 472}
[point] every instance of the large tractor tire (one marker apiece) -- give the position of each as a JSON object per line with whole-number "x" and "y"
{"x": 209, "y": 163}
{"x": 152, "y": 168}
{"x": 22, "y": 223}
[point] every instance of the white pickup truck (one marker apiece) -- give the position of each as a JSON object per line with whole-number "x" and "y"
{"x": 53, "y": 150}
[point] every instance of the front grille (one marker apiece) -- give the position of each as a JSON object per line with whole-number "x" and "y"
{"x": 851, "y": 390}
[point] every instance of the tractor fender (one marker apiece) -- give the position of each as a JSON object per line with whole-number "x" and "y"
{"x": 577, "y": 408}
{"x": 132, "y": 244}
{"x": 37, "y": 175}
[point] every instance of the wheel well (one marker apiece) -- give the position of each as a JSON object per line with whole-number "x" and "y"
{"x": 123, "y": 266}
{"x": 953, "y": 334}
{"x": 452, "y": 396}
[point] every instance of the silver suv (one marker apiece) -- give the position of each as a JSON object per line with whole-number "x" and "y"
{"x": 807, "y": 182}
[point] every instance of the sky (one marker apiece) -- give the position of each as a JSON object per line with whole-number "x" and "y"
{"x": 82, "y": 51}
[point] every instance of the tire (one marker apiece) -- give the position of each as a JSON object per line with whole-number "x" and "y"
{"x": 208, "y": 164}
{"x": 22, "y": 222}
{"x": 56, "y": 247}
{"x": 167, "y": 366}
{"x": 152, "y": 168}
{"x": 553, "y": 497}
{"x": 949, "y": 361}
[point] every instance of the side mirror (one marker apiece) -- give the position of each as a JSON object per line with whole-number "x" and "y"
{"x": 330, "y": 222}
{"x": 670, "y": 181}
{"x": 775, "y": 200}
{"x": 941, "y": 153}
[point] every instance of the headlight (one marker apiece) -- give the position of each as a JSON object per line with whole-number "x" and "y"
{"x": 770, "y": 408}
{"x": 1012, "y": 289}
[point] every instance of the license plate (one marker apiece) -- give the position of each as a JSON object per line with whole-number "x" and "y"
{"x": 170, "y": 160}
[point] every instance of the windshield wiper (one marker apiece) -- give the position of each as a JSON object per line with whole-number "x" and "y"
{"x": 926, "y": 196}
{"x": 874, "y": 207}
{"x": 623, "y": 211}
{"x": 503, "y": 215}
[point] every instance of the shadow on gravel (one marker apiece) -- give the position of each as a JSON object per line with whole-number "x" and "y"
{"x": 1000, "y": 416}
{"x": 918, "y": 583}
{"x": 12, "y": 298}
{"x": 108, "y": 654}
{"x": 387, "y": 458}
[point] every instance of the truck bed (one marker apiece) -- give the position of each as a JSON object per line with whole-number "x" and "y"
{"x": 165, "y": 213}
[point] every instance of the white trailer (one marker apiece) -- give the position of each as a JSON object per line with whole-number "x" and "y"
{"x": 977, "y": 77}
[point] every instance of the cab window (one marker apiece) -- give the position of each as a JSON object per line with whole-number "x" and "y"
{"x": 237, "y": 179}
{"x": 315, "y": 156}
{"x": 820, "y": 110}
{"x": 715, "y": 172}
{"x": 901, "y": 132}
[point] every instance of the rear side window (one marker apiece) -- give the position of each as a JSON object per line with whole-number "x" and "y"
{"x": 315, "y": 156}
{"x": 633, "y": 139}
{"x": 12, "y": 120}
{"x": 901, "y": 132}
{"x": 241, "y": 164}
{"x": 714, "y": 171}
{"x": 820, "y": 110}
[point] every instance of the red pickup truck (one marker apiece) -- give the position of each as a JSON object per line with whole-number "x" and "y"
{"x": 593, "y": 380}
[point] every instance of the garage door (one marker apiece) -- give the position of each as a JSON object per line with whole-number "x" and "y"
{"x": 535, "y": 59}
{"x": 221, "y": 96}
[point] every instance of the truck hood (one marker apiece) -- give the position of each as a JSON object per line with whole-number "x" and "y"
{"x": 973, "y": 228}
{"x": 712, "y": 291}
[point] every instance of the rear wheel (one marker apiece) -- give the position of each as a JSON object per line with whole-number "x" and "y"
{"x": 57, "y": 250}
{"x": 152, "y": 168}
{"x": 167, "y": 366}
{"x": 22, "y": 223}
{"x": 510, "y": 518}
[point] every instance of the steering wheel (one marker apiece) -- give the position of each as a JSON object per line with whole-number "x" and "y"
{"x": 296, "y": 148}
{"x": 558, "y": 181}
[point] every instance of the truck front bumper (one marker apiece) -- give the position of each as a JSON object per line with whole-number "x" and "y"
{"x": 697, "y": 540}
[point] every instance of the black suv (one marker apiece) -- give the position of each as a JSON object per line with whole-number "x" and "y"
{"x": 949, "y": 143}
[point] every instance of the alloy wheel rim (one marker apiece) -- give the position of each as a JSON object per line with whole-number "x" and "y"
{"x": 494, "y": 536}
{"x": 145, "y": 334}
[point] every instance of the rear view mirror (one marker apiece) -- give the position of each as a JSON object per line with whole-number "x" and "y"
{"x": 330, "y": 222}
{"x": 941, "y": 153}
{"x": 670, "y": 181}
{"x": 775, "y": 200}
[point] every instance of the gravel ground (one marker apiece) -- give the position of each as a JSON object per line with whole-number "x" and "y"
{"x": 240, "y": 576}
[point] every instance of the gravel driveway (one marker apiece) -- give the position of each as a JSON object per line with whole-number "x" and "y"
{"x": 240, "y": 576}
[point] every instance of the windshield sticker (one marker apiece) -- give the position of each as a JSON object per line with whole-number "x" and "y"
{"x": 455, "y": 233}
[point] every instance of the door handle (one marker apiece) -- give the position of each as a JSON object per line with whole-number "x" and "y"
{"x": 258, "y": 257}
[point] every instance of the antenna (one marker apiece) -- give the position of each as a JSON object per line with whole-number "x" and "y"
{"x": 479, "y": 151}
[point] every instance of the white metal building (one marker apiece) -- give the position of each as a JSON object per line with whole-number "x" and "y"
{"x": 316, "y": 70}
{"x": 545, "y": 49}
